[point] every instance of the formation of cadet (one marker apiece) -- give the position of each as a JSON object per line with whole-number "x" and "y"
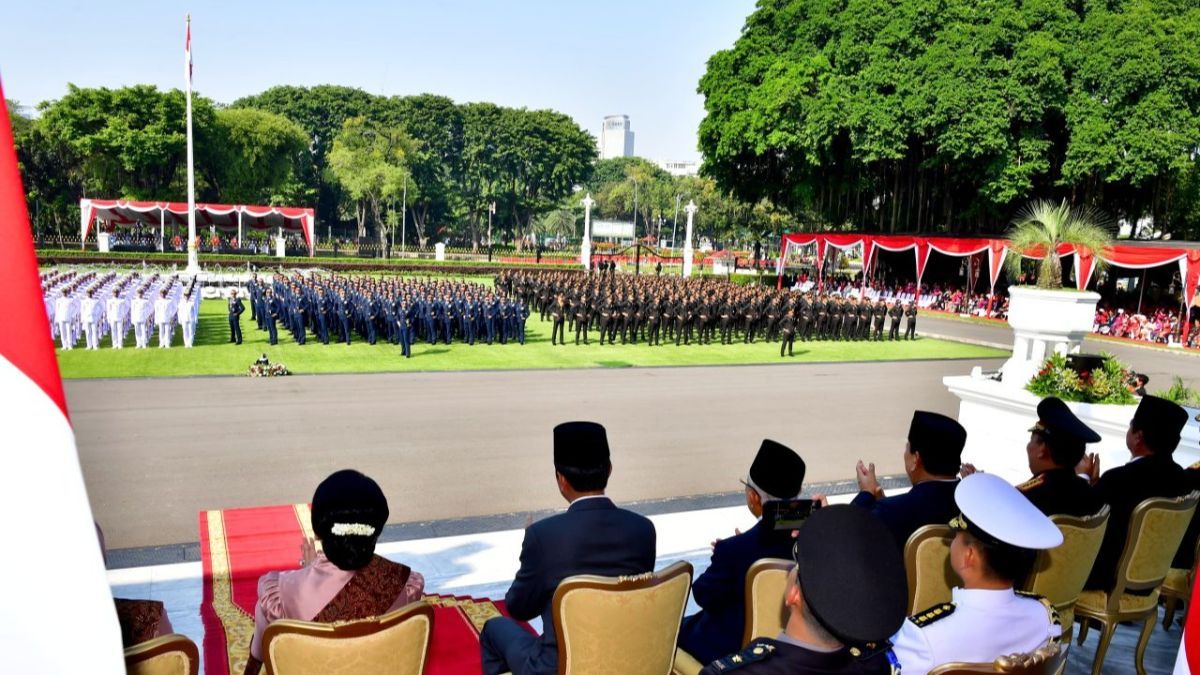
{"x": 400, "y": 311}
{"x": 95, "y": 306}
{"x": 672, "y": 309}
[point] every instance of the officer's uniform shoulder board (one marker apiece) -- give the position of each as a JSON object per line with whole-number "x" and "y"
{"x": 755, "y": 652}
{"x": 935, "y": 613}
{"x": 1032, "y": 483}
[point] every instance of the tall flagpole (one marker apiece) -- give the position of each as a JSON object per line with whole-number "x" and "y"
{"x": 193, "y": 266}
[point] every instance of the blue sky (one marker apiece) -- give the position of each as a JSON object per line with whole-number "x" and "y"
{"x": 587, "y": 59}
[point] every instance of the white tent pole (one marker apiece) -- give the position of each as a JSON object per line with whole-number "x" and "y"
{"x": 239, "y": 227}
{"x": 162, "y": 228}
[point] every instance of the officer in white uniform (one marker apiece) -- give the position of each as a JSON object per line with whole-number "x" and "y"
{"x": 187, "y": 319}
{"x": 48, "y": 300}
{"x": 66, "y": 310}
{"x": 92, "y": 313}
{"x": 116, "y": 311}
{"x": 164, "y": 318}
{"x": 997, "y": 539}
{"x": 141, "y": 312}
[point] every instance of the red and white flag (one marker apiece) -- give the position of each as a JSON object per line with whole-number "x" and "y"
{"x": 1188, "y": 661}
{"x": 51, "y": 572}
{"x": 187, "y": 53}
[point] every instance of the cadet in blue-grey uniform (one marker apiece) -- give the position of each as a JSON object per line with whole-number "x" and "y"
{"x": 845, "y": 596}
{"x": 995, "y": 544}
{"x": 932, "y": 458}
{"x": 777, "y": 473}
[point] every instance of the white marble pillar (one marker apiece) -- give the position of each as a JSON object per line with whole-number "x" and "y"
{"x": 585, "y": 249}
{"x": 687, "y": 244}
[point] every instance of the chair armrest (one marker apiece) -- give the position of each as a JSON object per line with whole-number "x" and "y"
{"x": 685, "y": 664}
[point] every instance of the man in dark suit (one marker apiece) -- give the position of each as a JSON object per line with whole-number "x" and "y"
{"x": 593, "y": 536}
{"x": 716, "y": 630}
{"x": 896, "y": 312}
{"x": 1152, "y": 437}
{"x": 1056, "y": 444}
{"x": 235, "y": 317}
{"x": 932, "y": 458}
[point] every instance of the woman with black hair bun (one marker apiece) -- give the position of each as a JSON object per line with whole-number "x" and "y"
{"x": 344, "y": 581}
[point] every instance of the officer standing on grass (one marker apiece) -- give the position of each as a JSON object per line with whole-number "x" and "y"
{"x": 896, "y": 312}
{"x": 910, "y": 312}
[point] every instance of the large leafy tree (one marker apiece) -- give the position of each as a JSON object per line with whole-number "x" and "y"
{"x": 370, "y": 162}
{"x": 257, "y": 157}
{"x": 918, "y": 115}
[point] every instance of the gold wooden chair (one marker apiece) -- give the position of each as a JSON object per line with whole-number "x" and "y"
{"x": 1046, "y": 660}
{"x": 620, "y": 625}
{"x": 1060, "y": 573}
{"x": 927, "y": 563}
{"x": 1156, "y": 528}
{"x": 766, "y": 584}
{"x": 393, "y": 644}
{"x": 166, "y": 655}
{"x": 1177, "y": 588}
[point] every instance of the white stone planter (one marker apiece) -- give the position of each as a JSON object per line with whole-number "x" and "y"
{"x": 997, "y": 418}
{"x": 1045, "y": 322}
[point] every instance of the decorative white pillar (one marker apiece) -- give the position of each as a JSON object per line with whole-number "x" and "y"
{"x": 585, "y": 249}
{"x": 691, "y": 209}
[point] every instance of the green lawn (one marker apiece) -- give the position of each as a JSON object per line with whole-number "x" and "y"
{"x": 214, "y": 355}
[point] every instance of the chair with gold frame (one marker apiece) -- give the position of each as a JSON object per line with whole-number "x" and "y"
{"x": 166, "y": 655}
{"x": 394, "y": 643}
{"x": 1156, "y": 528}
{"x": 1060, "y": 573}
{"x": 927, "y": 563}
{"x": 620, "y": 624}
{"x": 1046, "y": 660}
{"x": 1177, "y": 588}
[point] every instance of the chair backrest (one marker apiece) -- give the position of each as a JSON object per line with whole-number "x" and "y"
{"x": 1060, "y": 573}
{"x": 1050, "y": 659}
{"x": 927, "y": 563}
{"x": 166, "y": 655}
{"x": 766, "y": 584}
{"x": 396, "y": 644}
{"x": 620, "y": 624}
{"x": 1156, "y": 529}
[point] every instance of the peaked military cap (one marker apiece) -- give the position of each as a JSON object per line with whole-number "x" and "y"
{"x": 1056, "y": 420}
{"x": 851, "y": 574}
{"x": 777, "y": 470}
{"x": 580, "y": 445}
{"x": 995, "y": 511}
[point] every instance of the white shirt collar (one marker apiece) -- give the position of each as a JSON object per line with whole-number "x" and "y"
{"x": 980, "y": 597}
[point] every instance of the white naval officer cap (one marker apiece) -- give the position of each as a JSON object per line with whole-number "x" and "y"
{"x": 993, "y": 509}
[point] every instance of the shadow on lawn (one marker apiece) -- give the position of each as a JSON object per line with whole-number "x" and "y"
{"x": 614, "y": 364}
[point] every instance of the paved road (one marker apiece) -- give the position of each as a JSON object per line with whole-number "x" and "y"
{"x": 155, "y": 452}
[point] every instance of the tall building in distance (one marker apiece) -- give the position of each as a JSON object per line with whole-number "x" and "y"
{"x": 616, "y": 139}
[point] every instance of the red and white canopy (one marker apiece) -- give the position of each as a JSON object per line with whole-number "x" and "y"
{"x": 119, "y": 212}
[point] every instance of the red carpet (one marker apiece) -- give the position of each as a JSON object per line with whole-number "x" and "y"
{"x": 238, "y": 545}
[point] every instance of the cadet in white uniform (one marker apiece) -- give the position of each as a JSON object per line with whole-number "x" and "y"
{"x": 116, "y": 310}
{"x": 998, "y": 535}
{"x": 66, "y": 310}
{"x": 92, "y": 314}
{"x": 49, "y": 302}
{"x": 141, "y": 312}
{"x": 164, "y": 318}
{"x": 187, "y": 319}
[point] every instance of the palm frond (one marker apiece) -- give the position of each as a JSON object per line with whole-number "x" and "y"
{"x": 1045, "y": 224}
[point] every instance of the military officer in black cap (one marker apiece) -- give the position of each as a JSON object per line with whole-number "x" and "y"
{"x": 932, "y": 459}
{"x": 998, "y": 534}
{"x": 777, "y": 473}
{"x": 1056, "y": 444}
{"x": 592, "y": 536}
{"x": 845, "y": 597}
{"x": 1152, "y": 437}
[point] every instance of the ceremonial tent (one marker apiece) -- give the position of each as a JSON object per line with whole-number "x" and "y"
{"x": 113, "y": 213}
{"x": 1139, "y": 255}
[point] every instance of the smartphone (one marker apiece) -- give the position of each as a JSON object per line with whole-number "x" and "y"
{"x": 788, "y": 514}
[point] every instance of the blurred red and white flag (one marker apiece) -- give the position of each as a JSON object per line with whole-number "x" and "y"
{"x": 1188, "y": 661}
{"x": 57, "y": 613}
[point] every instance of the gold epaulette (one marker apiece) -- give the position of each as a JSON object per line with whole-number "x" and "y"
{"x": 753, "y": 653}
{"x": 1051, "y": 612}
{"x": 935, "y": 613}
{"x": 1032, "y": 483}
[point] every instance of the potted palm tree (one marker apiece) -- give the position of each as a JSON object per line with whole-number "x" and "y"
{"x": 1046, "y": 317}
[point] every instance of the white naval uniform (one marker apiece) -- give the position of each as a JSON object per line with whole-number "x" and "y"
{"x": 164, "y": 317}
{"x": 141, "y": 312}
{"x": 92, "y": 313}
{"x": 49, "y": 302}
{"x": 977, "y": 626}
{"x": 66, "y": 310}
{"x": 187, "y": 320}
{"x": 116, "y": 311}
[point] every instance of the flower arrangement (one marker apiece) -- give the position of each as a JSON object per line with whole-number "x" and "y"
{"x": 1107, "y": 383}
{"x": 264, "y": 368}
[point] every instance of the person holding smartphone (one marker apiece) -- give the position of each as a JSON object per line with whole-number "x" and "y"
{"x": 776, "y": 477}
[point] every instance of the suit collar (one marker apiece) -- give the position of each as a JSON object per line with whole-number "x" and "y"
{"x": 591, "y": 503}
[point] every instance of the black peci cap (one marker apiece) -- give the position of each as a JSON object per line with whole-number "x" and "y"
{"x": 777, "y": 470}
{"x": 1161, "y": 422}
{"x": 936, "y": 436}
{"x": 580, "y": 445}
{"x": 851, "y": 574}
{"x": 1055, "y": 420}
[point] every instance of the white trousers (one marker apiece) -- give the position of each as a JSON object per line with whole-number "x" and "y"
{"x": 141, "y": 333}
{"x": 166, "y": 333}
{"x": 189, "y": 333}
{"x": 116, "y": 330}
{"x": 91, "y": 331}
{"x": 67, "y": 334}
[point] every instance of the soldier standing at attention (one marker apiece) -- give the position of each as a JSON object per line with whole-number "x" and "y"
{"x": 896, "y": 312}
{"x": 558, "y": 312}
{"x": 880, "y": 316}
{"x": 910, "y": 333}
{"x": 789, "y": 332}
{"x": 235, "y": 317}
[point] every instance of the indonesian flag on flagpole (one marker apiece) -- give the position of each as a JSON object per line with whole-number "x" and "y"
{"x": 187, "y": 52}
{"x": 1188, "y": 661}
{"x": 51, "y": 573}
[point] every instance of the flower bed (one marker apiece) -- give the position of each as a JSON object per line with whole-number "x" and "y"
{"x": 1108, "y": 383}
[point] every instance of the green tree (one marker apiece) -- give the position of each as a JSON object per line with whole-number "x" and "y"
{"x": 369, "y": 161}
{"x": 1044, "y": 225}
{"x": 256, "y": 157}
